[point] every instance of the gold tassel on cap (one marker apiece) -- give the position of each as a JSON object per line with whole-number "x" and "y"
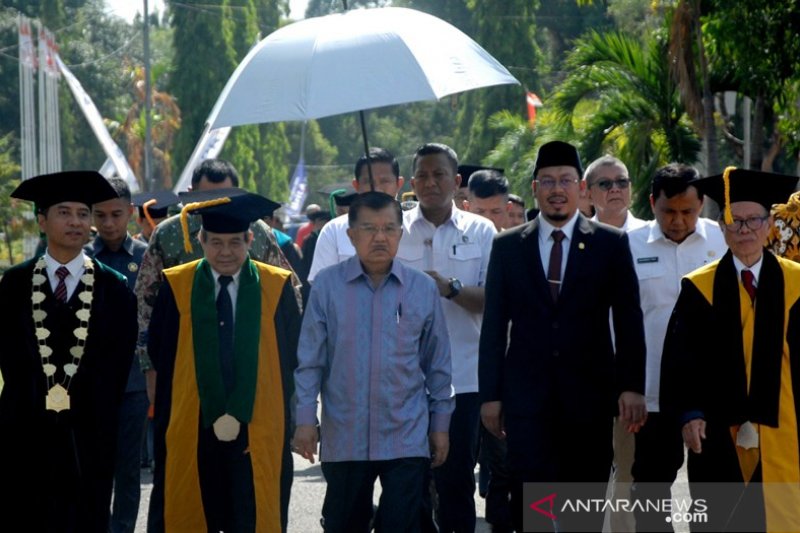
{"x": 726, "y": 180}
{"x": 145, "y": 208}
{"x": 187, "y": 245}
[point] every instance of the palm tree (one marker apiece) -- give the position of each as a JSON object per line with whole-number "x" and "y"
{"x": 618, "y": 97}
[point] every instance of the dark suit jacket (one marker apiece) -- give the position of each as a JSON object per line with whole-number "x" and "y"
{"x": 559, "y": 360}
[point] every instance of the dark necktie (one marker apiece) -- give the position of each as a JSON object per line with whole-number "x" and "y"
{"x": 748, "y": 280}
{"x": 225, "y": 317}
{"x": 61, "y": 288}
{"x": 554, "y": 269}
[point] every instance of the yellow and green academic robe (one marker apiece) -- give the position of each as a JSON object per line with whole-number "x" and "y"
{"x": 200, "y": 482}
{"x": 729, "y": 360}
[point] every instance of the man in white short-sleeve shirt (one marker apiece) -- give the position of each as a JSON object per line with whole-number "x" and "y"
{"x": 677, "y": 242}
{"x": 333, "y": 244}
{"x": 453, "y": 247}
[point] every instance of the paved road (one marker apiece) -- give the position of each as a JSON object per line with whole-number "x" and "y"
{"x": 305, "y": 506}
{"x": 308, "y": 491}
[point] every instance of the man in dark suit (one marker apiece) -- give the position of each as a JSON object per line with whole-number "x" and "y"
{"x": 553, "y": 382}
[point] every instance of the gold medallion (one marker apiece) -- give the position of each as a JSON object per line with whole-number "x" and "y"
{"x": 133, "y": 267}
{"x": 226, "y": 428}
{"x": 57, "y": 398}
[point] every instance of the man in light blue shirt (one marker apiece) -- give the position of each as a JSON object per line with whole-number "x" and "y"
{"x": 374, "y": 343}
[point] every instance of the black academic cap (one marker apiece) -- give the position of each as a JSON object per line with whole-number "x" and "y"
{"x": 467, "y": 170}
{"x": 746, "y": 185}
{"x": 188, "y": 197}
{"x": 158, "y": 202}
{"x": 556, "y": 154}
{"x": 233, "y": 214}
{"x": 83, "y": 186}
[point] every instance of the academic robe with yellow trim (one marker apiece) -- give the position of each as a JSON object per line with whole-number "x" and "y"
{"x": 201, "y": 484}
{"x": 728, "y": 360}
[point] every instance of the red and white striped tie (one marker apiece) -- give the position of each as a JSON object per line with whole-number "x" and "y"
{"x": 61, "y": 288}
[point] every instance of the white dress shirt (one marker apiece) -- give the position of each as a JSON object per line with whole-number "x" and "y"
{"x": 631, "y": 222}
{"x": 458, "y": 248}
{"x": 755, "y": 269}
{"x": 75, "y": 267}
{"x": 660, "y": 264}
{"x": 333, "y": 246}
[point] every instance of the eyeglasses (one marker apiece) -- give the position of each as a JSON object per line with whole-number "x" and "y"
{"x": 752, "y": 223}
{"x": 607, "y": 185}
{"x": 550, "y": 183}
{"x": 372, "y": 231}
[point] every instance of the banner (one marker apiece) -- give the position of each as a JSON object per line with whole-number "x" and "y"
{"x": 533, "y": 102}
{"x": 95, "y": 121}
{"x": 208, "y": 147}
{"x": 27, "y": 100}
{"x": 298, "y": 189}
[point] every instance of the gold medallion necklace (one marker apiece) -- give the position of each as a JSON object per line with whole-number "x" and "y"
{"x": 58, "y": 393}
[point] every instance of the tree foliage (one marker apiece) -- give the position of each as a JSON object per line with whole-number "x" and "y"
{"x": 762, "y": 63}
{"x": 638, "y": 112}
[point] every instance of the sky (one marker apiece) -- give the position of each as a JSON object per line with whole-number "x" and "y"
{"x": 127, "y": 9}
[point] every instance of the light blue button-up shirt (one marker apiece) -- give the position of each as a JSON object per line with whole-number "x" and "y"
{"x": 380, "y": 358}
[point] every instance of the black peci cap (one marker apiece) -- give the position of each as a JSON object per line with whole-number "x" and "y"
{"x": 557, "y": 154}
{"x": 344, "y": 199}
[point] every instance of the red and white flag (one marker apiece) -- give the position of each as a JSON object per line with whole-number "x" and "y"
{"x": 533, "y": 102}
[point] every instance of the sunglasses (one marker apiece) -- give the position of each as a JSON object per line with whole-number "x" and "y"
{"x": 607, "y": 185}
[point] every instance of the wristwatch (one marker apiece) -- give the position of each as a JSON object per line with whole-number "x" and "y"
{"x": 455, "y": 288}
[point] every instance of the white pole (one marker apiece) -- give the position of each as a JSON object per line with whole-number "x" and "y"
{"x": 748, "y": 141}
{"x": 43, "y": 163}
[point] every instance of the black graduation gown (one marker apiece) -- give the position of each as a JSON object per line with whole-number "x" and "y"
{"x": 240, "y": 478}
{"x": 704, "y": 374}
{"x": 57, "y": 468}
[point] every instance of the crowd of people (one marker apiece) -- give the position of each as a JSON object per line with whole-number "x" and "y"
{"x": 407, "y": 342}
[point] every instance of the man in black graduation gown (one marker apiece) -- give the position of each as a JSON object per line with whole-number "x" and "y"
{"x": 731, "y": 365}
{"x": 68, "y": 325}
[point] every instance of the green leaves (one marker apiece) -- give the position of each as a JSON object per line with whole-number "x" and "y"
{"x": 637, "y": 113}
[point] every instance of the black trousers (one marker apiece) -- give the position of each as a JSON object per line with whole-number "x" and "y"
{"x": 348, "y": 499}
{"x": 493, "y": 452}
{"x": 455, "y": 479}
{"x": 554, "y": 448}
{"x": 657, "y": 459}
{"x": 226, "y": 482}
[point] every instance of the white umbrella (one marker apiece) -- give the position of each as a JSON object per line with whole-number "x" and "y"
{"x": 352, "y": 61}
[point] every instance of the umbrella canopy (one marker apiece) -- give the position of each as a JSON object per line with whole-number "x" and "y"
{"x": 352, "y": 61}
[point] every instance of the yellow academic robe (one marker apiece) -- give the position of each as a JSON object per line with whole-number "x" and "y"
{"x": 729, "y": 360}
{"x": 177, "y": 499}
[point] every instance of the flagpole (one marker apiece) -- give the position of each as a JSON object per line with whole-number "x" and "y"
{"x": 149, "y": 180}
